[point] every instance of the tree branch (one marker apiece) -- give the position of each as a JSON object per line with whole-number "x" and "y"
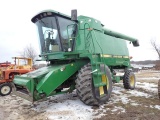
{"x": 156, "y": 47}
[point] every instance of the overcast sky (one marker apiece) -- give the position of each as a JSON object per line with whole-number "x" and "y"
{"x": 136, "y": 18}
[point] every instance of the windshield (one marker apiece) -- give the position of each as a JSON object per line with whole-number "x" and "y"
{"x": 48, "y": 33}
{"x": 56, "y": 34}
{"x": 67, "y": 32}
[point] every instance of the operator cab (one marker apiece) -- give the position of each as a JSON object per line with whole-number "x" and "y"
{"x": 56, "y": 31}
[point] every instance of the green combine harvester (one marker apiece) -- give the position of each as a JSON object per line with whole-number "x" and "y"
{"x": 81, "y": 55}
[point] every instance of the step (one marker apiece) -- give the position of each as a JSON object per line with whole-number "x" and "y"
{"x": 100, "y": 84}
{"x": 97, "y": 63}
{"x": 98, "y": 74}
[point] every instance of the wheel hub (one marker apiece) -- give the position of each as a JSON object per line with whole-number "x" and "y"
{"x": 5, "y": 90}
{"x": 132, "y": 81}
{"x": 105, "y": 81}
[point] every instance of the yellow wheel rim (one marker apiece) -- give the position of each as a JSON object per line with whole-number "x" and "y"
{"x": 105, "y": 81}
{"x": 132, "y": 80}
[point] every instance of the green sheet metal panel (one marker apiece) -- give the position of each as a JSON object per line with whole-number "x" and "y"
{"x": 101, "y": 43}
{"x": 110, "y": 45}
{"x": 87, "y": 22}
{"x": 57, "y": 76}
{"x": 39, "y": 72}
{"x": 96, "y": 41}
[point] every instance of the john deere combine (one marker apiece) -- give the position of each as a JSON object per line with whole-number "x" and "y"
{"x": 81, "y": 55}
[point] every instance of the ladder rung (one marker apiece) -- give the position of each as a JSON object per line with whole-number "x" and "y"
{"x": 100, "y": 84}
{"x": 97, "y": 63}
{"x": 99, "y": 73}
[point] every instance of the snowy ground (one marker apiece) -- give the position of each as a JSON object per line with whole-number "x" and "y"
{"x": 141, "y": 103}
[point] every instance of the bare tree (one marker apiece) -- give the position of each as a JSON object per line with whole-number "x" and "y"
{"x": 156, "y": 47}
{"x": 29, "y": 52}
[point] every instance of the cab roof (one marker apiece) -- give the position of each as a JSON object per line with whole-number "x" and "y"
{"x": 45, "y": 13}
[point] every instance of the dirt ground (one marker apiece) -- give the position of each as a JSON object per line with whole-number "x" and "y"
{"x": 139, "y": 104}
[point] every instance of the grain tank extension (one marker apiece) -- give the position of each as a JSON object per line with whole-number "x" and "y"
{"x": 82, "y": 55}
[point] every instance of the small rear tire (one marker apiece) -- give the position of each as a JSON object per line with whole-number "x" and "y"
{"x": 5, "y": 89}
{"x": 129, "y": 80}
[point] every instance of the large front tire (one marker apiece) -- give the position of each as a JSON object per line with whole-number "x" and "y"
{"x": 85, "y": 87}
{"x": 129, "y": 80}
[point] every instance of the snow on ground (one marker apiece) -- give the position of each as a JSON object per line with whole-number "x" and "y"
{"x": 157, "y": 106}
{"x": 153, "y": 78}
{"x": 138, "y": 93}
{"x": 147, "y": 86}
{"x": 69, "y": 107}
{"x": 66, "y": 107}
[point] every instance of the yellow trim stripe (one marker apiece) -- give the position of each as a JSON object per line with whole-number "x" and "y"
{"x": 114, "y": 56}
{"x": 125, "y": 56}
{"x": 102, "y": 55}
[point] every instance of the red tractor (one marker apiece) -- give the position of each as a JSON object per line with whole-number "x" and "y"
{"x": 22, "y": 65}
